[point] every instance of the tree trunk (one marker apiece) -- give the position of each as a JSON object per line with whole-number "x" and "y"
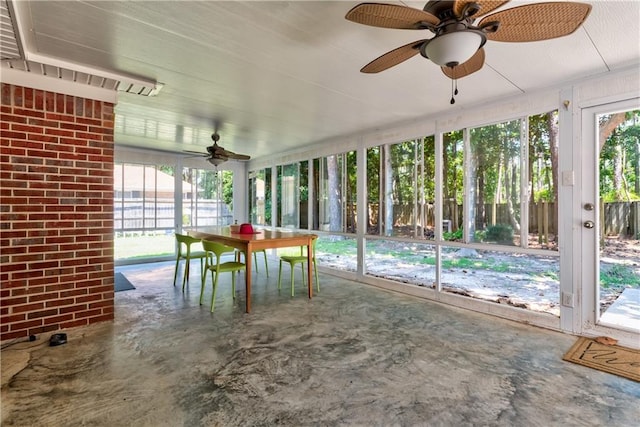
{"x": 514, "y": 199}
{"x": 333, "y": 194}
{"x": 470, "y": 214}
{"x": 608, "y": 126}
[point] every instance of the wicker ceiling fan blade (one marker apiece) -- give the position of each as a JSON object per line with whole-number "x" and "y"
{"x": 472, "y": 65}
{"x": 238, "y": 156}
{"x": 390, "y": 16}
{"x": 486, "y": 6}
{"x": 196, "y": 153}
{"x": 394, "y": 57}
{"x": 541, "y": 21}
{"x": 217, "y": 152}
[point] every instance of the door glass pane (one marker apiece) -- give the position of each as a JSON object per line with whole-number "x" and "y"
{"x": 406, "y": 262}
{"x": 257, "y": 197}
{"x": 350, "y": 184}
{"x": 401, "y": 189}
{"x": 288, "y": 195}
{"x": 373, "y": 191}
{"x": 515, "y": 279}
{"x": 329, "y": 195}
{"x": 619, "y": 218}
{"x": 267, "y": 197}
{"x": 427, "y": 190}
{"x": 144, "y": 214}
{"x": 543, "y": 181}
{"x": 208, "y": 199}
{"x": 494, "y": 180}
{"x": 453, "y": 191}
{"x": 304, "y": 195}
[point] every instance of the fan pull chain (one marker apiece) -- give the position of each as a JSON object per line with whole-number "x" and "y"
{"x": 454, "y": 92}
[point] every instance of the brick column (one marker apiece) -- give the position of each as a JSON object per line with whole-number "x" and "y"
{"x": 56, "y": 230}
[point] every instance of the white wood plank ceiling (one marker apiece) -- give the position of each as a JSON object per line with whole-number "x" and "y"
{"x": 280, "y": 75}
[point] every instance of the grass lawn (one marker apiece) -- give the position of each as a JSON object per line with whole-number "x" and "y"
{"x": 132, "y": 247}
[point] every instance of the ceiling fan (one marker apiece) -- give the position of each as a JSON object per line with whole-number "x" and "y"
{"x": 457, "y": 46}
{"x": 218, "y": 155}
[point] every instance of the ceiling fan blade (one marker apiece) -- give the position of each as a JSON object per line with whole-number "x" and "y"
{"x": 195, "y": 152}
{"x": 390, "y": 16}
{"x": 238, "y": 156}
{"x": 221, "y": 152}
{"x": 486, "y": 6}
{"x": 472, "y": 65}
{"x": 540, "y": 21}
{"x": 394, "y": 57}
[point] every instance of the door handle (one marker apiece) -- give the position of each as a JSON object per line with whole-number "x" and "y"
{"x": 588, "y": 224}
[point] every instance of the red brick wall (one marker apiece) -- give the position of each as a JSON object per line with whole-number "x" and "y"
{"x": 56, "y": 229}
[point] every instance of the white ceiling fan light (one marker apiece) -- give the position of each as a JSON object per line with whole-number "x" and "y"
{"x": 458, "y": 43}
{"x": 454, "y": 48}
{"x": 217, "y": 161}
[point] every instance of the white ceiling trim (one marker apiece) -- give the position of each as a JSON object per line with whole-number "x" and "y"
{"x": 51, "y": 84}
{"x": 15, "y": 22}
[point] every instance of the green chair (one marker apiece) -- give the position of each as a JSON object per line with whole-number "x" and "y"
{"x": 214, "y": 264}
{"x": 255, "y": 259}
{"x": 301, "y": 259}
{"x": 184, "y": 252}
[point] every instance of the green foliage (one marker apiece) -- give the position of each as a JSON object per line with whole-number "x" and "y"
{"x": 494, "y": 147}
{"x": 304, "y": 181}
{"x": 453, "y": 236}
{"x": 613, "y": 196}
{"x": 343, "y": 247}
{"x": 500, "y": 233}
{"x": 403, "y": 157}
{"x": 612, "y": 275}
{"x": 227, "y": 188}
{"x": 373, "y": 174}
{"x": 544, "y": 195}
{"x": 620, "y": 159}
{"x": 169, "y": 170}
{"x": 453, "y": 146}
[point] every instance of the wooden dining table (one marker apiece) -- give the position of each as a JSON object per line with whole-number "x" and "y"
{"x": 259, "y": 240}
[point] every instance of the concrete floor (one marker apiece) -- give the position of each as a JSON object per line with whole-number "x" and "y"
{"x": 352, "y": 356}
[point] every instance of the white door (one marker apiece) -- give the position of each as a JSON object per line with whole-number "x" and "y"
{"x": 610, "y": 261}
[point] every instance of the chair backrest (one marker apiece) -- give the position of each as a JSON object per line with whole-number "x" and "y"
{"x": 217, "y": 248}
{"x": 186, "y": 240}
{"x": 303, "y": 252}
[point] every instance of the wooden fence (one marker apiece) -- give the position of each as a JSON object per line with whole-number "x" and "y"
{"x": 616, "y": 218}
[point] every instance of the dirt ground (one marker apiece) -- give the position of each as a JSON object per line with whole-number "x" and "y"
{"x": 527, "y": 281}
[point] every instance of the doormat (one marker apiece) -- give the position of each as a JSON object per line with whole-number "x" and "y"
{"x": 613, "y": 359}
{"x": 121, "y": 283}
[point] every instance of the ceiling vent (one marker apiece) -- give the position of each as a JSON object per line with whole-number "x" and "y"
{"x": 108, "y": 81}
{"x": 10, "y": 47}
{"x": 15, "y": 56}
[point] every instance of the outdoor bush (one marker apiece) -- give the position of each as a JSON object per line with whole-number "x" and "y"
{"x": 500, "y": 233}
{"x": 454, "y": 235}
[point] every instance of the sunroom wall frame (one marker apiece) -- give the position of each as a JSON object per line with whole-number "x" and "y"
{"x": 568, "y": 100}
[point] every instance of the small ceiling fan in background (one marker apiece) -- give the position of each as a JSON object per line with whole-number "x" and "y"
{"x": 457, "y": 46}
{"x": 216, "y": 155}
